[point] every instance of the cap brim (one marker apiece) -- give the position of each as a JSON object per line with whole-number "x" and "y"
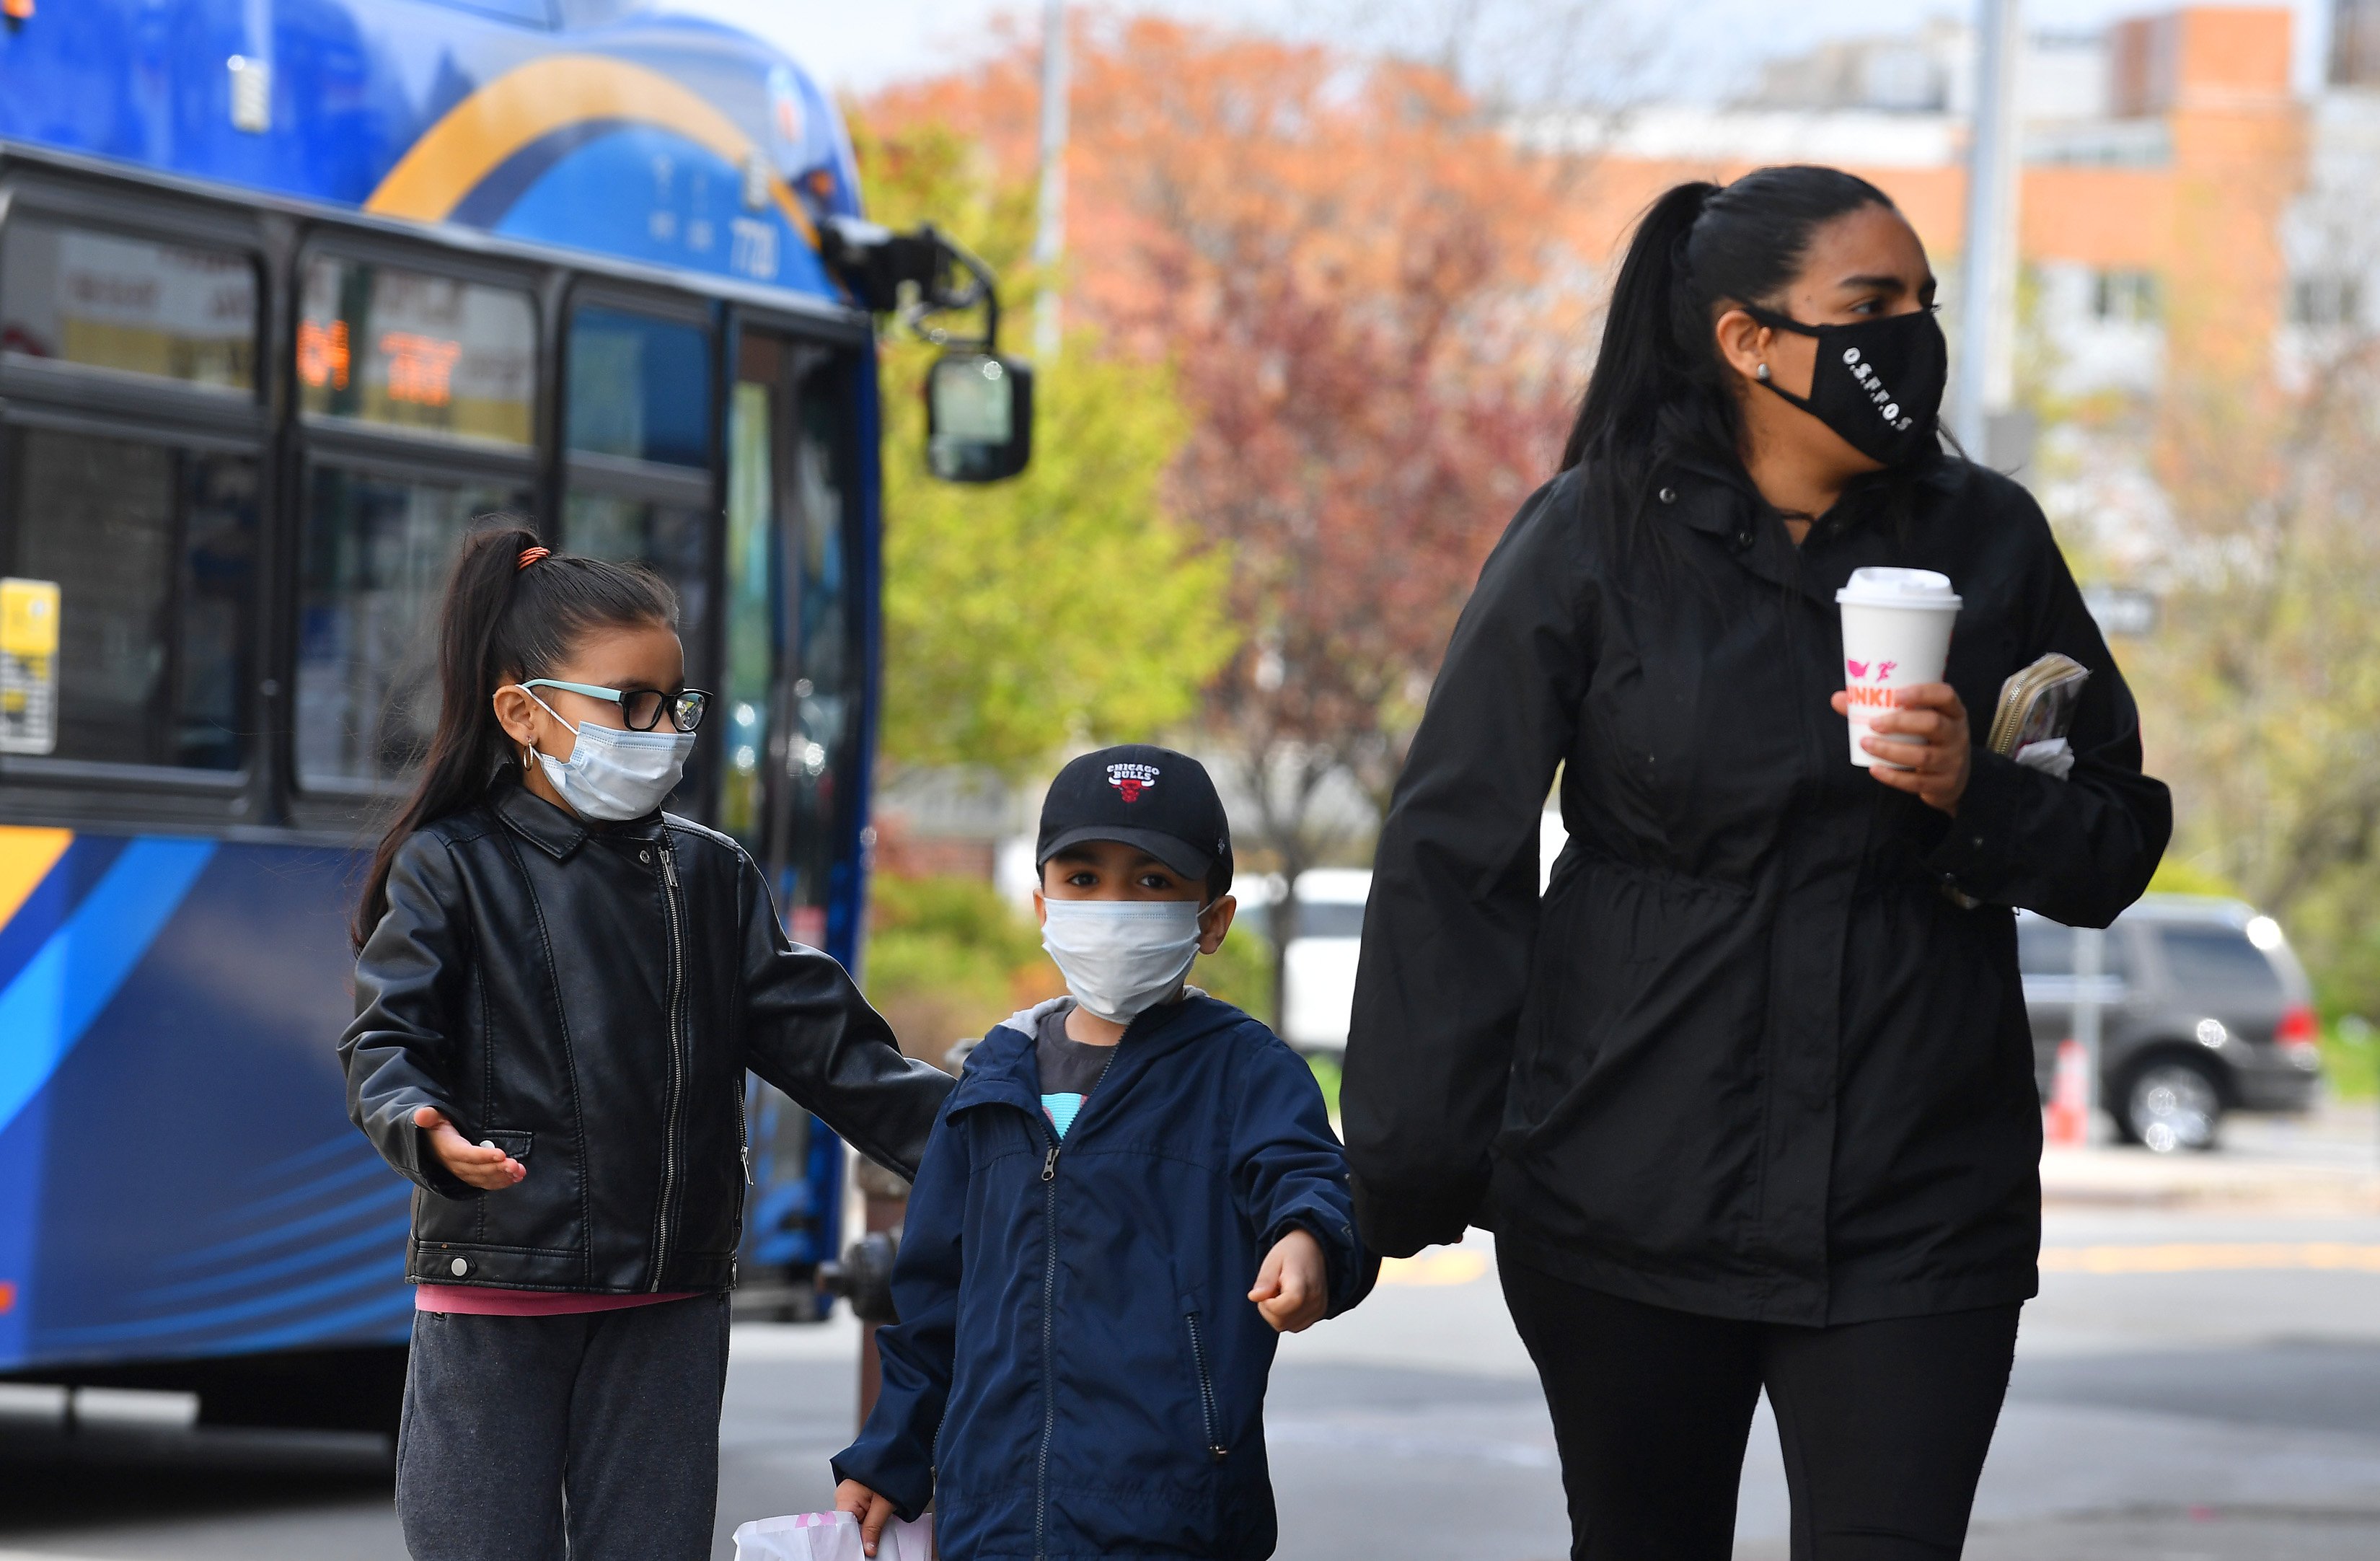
{"x": 1175, "y": 852}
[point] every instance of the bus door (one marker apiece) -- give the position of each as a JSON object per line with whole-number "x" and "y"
{"x": 791, "y": 687}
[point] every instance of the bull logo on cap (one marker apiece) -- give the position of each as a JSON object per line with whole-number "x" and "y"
{"x": 1132, "y": 779}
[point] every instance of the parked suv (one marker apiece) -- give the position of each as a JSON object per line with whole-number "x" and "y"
{"x": 2207, "y": 1011}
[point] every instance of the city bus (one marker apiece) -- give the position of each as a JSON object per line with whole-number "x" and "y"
{"x": 289, "y": 293}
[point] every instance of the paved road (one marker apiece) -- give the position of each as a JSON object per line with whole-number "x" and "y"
{"x": 2189, "y": 1386}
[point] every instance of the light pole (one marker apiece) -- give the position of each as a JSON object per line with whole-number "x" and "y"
{"x": 1050, "y": 206}
{"x": 1986, "y": 382}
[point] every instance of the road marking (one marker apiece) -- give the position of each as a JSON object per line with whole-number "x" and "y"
{"x": 2202, "y": 1257}
{"x": 1454, "y": 1266}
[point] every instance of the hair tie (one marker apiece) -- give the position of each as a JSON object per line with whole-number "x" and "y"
{"x": 531, "y": 556}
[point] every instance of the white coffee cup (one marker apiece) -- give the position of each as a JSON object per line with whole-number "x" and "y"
{"x": 1896, "y": 635}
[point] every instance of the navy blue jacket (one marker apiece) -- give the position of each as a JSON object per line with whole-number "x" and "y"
{"x": 1079, "y": 1371}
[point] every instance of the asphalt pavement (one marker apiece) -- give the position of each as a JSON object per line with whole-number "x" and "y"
{"x": 2200, "y": 1378}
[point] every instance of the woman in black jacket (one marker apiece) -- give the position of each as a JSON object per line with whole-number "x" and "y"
{"x": 1748, "y": 1096}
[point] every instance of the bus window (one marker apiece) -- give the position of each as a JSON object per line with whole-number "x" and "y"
{"x": 374, "y": 560}
{"x": 153, "y": 551}
{"x": 638, "y": 424}
{"x": 413, "y": 351}
{"x": 167, "y": 311}
{"x": 639, "y": 388}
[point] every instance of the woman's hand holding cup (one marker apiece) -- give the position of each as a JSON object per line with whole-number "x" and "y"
{"x": 1925, "y": 731}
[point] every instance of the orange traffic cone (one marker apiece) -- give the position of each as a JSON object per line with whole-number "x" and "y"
{"x": 2066, "y": 1121}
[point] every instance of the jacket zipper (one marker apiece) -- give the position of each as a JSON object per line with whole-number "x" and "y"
{"x": 1207, "y": 1409}
{"x": 744, "y": 1133}
{"x": 677, "y": 1080}
{"x": 1049, "y": 1366}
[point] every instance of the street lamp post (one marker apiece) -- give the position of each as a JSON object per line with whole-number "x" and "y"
{"x": 1050, "y": 205}
{"x": 1987, "y": 384}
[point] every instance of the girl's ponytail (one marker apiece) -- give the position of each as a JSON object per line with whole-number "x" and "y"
{"x": 511, "y": 610}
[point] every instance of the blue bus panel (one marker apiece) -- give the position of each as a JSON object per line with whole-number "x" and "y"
{"x": 178, "y": 1181}
{"x": 665, "y": 140}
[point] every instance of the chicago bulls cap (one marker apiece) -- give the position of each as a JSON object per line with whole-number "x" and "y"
{"x": 1152, "y": 797}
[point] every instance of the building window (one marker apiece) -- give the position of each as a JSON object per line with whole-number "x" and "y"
{"x": 2125, "y": 298}
{"x": 2325, "y": 301}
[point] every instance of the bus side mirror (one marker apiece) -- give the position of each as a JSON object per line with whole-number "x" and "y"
{"x": 978, "y": 417}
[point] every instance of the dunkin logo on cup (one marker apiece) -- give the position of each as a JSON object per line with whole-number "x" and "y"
{"x": 1863, "y": 693}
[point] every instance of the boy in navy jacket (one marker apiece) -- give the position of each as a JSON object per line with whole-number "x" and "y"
{"x": 1132, "y": 1190}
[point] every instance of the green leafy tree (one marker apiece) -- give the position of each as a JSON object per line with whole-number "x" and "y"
{"x": 1066, "y": 604}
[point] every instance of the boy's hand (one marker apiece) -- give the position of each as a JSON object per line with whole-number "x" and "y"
{"x": 1293, "y": 1286}
{"x": 872, "y": 1510}
{"x": 483, "y": 1166}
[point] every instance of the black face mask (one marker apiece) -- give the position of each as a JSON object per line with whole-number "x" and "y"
{"x": 1877, "y": 383}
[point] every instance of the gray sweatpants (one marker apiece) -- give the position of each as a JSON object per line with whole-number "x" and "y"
{"x": 591, "y": 1436}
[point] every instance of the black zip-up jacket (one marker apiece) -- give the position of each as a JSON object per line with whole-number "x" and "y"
{"x": 589, "y": 999}
{"x": 1745, "y": 1057}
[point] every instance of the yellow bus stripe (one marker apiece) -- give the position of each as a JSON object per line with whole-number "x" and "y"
{"x": 457, "y": 154}
{"x": 26, "y": 858}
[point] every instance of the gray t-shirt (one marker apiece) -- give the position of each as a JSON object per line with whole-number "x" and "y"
{"x": 1069, "y": 1068}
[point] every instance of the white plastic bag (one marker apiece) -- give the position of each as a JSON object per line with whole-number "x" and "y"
{"x": 2052, "y": 754}
{"x": 831, "y": 1536}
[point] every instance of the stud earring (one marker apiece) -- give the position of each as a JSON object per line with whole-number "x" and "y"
{"x": 1760, "y": 373}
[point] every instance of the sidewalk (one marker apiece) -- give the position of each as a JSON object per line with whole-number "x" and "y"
{"x": 2326, "y": 1162}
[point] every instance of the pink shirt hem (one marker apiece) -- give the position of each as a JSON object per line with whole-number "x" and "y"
{"x": 484, "y": 1301}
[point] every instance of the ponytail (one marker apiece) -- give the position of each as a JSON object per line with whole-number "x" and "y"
{"x": 512, "y": 610}
{"x": 1660, "y": 389}
{"x": 1641, "y": 366}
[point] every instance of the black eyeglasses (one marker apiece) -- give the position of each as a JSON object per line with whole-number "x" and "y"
{"x": 641, "y": 708}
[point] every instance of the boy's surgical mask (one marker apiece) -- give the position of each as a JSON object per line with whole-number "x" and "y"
{"x": 1121, "y": 957}
{"x": 613, "y": 774}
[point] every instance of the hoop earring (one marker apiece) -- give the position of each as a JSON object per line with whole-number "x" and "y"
{"x": 1760, "y": 373}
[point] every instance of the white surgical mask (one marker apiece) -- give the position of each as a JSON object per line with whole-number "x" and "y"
{"x": 613, "y": 775}
{"x": 1121, "y": 957}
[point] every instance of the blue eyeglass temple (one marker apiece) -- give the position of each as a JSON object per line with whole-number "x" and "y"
{"x": 693, "y": 697}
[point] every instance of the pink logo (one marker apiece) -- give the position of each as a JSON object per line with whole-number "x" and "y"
{"x": 1885, "y": 670}
{"x": 1858, "y": 669}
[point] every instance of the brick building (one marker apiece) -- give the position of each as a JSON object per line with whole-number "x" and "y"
{"x": 2164, "y": 194}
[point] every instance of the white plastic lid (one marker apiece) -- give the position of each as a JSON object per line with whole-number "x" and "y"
{"x": 1898, "y": 588}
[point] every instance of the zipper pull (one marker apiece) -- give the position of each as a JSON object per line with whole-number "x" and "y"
{"x": 1049, "y": 1166}
{"x": 668, "y": 861}
{"x": 748, "y": 1167}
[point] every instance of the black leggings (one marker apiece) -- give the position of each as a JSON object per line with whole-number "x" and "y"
{"x": 1884, "y": 1424}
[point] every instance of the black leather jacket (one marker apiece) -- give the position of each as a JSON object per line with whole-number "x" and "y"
{"x": 589, "y": 998}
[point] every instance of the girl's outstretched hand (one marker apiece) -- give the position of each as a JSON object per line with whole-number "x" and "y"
{"x": 483, "y": 1166}
{"x": 872, "y": 1510}
{"x": 1292, "y": 1288}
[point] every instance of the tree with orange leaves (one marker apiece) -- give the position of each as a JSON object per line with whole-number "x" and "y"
{"x": 1348, "y": 267}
